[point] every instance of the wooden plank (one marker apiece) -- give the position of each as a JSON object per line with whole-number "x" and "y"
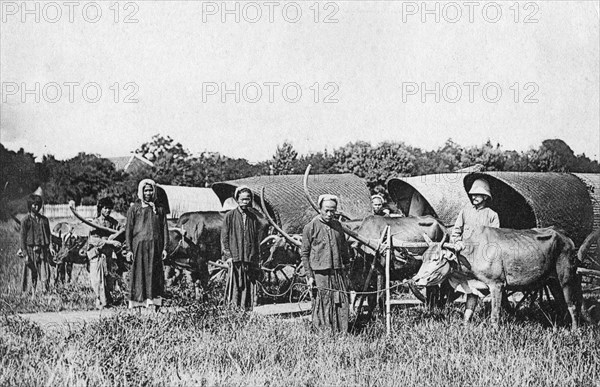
{"x": 275, "y": 309}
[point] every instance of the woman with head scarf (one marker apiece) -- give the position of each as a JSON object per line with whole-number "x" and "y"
{"x": 240, "y": 248}
{"x": 147, "y": 236}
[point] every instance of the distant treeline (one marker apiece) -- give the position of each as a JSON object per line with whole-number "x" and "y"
{"x": 86, "y": 177}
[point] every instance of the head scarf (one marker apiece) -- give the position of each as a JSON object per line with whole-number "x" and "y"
{"x": 378, "y": 196}
{"x": 324, "y": 197}
{"x": 141, "y": 186}
{"x": 239, "y": 190}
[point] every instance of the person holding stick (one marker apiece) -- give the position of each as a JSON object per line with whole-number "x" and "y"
{"x": 325, "y": 255}
{"x": 101, "y": 251}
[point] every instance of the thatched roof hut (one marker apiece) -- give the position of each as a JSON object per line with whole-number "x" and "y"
{"x": 285, "y": 200}
{"x": 522, "y": 199}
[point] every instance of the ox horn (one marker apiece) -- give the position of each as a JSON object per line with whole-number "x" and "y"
{"x": 287, "y": 237}
{"x": 92, "y": 224}
{"x": 306, "y": 192}
{"x": 581, "y": 253}
{"x": 361, "y": 239}
{"x": 427, "y": 239}
{"x": 180, "y": 229}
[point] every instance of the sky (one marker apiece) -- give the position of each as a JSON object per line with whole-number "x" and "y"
{"x": 104, "y": 77}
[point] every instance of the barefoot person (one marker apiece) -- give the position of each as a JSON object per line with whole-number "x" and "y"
{"x": 147, "y": 235}
{"x": 101, "y": 251}
{"x": 240, "y": 248}
{"x": 36, "y": 245}
{"x": 324, "y": 255}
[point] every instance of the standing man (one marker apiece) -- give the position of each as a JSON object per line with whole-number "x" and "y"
{"x": 101, "y": 251}
{"x": 324, "y": 255}
{"x": 36, "y": 245}
{"x": 240, "y": 247}
{"x": 477, "y": 214}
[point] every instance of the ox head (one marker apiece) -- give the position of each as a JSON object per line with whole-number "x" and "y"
{"x": 437, "y": 263}
{"x": 72, "y": 249}
{"x": 276, "y": 250}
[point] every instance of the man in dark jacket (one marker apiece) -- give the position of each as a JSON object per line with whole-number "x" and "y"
{"x": 325, "y": 255}
{"x": 36, "y": 245}
{"x": 240, "y": 248}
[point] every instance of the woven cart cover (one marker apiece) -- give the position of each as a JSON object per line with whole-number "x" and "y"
{"x": 287, "y": 204}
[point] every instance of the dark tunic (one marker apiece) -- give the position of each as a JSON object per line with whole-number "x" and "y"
{"x": 147, "y": 234}
{"x": 35, "y": 243}
{"x": 240, "y": 242}
{"x": 324, "y": 254}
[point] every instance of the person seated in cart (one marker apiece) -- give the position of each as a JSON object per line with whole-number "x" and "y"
{"x": 478, "y": 213}
{"x": 378, "y": 204}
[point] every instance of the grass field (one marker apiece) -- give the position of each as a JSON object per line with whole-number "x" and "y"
{"x": 208, "y": 345}
{"x": 77, "y": 295}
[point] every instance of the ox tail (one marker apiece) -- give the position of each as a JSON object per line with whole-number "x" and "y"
{"x": 587, "y": 243}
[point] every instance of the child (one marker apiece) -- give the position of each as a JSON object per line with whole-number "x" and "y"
{"x": 36, "y": 245}
{"x": 477, "y": 214}
{"x": 100, "y": 252}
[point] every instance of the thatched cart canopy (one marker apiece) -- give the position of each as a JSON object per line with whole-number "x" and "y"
{"x": 522, "y": 199}
{"x": 187, "y": 199}
{"x": 285, "y": 198}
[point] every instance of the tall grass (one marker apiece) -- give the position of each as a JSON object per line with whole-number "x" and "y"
{"x": 208, "y": 346}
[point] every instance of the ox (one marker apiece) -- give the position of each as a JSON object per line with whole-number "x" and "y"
{"x": 499, "y": 259}
{"x": 183, "y": 255}
{"x": 276, "y": 250}
{"x": 69, "y": 250}
{"x": 204, "y": 230}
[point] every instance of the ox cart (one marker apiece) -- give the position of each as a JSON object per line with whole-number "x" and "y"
{"x": 569, "y": 202}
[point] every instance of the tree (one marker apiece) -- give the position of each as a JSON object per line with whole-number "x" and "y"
{"x": 162, "y": 146}
{"x": 284, "y": 160}
{"x": 18, "y": 173}
{"x": 377, "y": 164}
{"x": 80, "y": 178}
{"x": 321, "y": 162}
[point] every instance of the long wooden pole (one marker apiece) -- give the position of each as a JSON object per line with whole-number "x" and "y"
{"x": 388, "y": 300}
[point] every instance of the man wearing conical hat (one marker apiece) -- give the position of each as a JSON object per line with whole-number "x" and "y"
{"x": 474, "y": 215}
